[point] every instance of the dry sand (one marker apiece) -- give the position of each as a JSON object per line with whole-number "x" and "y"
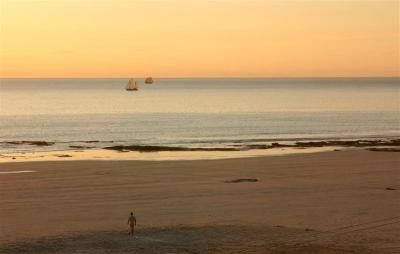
{"x": 332, "y": 202}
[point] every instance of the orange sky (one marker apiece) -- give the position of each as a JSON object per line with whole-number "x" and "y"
{"x": 196, "y": 38}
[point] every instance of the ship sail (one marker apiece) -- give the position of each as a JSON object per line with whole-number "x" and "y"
{"x": 149, "y": 80}
{"x": 132, "y": 85}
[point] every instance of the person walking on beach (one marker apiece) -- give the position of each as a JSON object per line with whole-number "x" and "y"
{"x": 131, "y": 223}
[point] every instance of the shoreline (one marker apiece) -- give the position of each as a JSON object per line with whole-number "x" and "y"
{"x": 165, "y": 153}
{"x": 111, "y": 155}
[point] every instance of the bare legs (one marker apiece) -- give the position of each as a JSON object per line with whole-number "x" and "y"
{"x": 131, "y": 230}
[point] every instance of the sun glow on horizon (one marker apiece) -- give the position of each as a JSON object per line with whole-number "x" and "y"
{"x": 194, "y": 38}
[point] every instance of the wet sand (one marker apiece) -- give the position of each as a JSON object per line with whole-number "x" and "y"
{"x": 104, "y": 154}
{"x": 329, "y": 202}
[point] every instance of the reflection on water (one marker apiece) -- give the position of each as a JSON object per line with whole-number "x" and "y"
{"x": 106, "y": 96}
{"x": 194, "y": 112}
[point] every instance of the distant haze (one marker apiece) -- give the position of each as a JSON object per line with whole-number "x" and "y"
{"x": 198, "y": 38}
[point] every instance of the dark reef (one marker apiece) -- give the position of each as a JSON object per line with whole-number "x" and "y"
{"x": 37, "y": 143}
{"x": 300, "y": 145}
{"x": 140, "y": 148}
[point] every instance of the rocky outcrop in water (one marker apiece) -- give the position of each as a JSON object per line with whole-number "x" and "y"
{"x": 333, "y": 143}
{"x": 36, "y": 143}
{"x": 140, "y": 148}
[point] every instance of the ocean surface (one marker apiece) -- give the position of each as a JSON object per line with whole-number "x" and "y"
{"x": 200, "y": 112}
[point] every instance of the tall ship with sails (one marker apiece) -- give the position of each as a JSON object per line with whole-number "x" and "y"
{"x": 132, "y": 85}
{"x": 149, "y": 80}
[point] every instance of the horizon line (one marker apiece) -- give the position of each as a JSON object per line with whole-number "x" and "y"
{"x": 206, "y": 77}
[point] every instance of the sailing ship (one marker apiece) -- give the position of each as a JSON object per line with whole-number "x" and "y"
{"x": 132, "y": 85}
{"x": 149, "y": 80}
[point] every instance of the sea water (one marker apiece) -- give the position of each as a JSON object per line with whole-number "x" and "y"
{"x": 195, "y": 112}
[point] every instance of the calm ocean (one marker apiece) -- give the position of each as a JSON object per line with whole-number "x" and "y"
{"x": 195, "y": 112}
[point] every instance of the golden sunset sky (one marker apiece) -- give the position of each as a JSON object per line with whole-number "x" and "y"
{"x": 199, "y": 38}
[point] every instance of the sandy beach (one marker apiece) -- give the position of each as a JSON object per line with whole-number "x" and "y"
{"x": 328, "y": 202}
{"x": 220, "y": 127}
